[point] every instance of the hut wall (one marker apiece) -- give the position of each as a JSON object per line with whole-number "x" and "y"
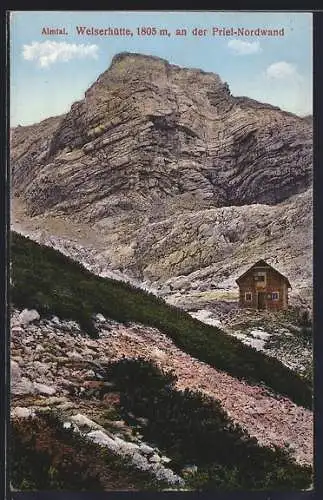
{"x": 272, "y": 283}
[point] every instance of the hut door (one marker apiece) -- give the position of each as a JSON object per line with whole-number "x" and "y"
{"x": 261, "y": 300}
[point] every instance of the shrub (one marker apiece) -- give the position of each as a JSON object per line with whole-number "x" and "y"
{"x": 192, "y": 428}
{"x": 46, "y": 456}
{"x": 40, "y": 460}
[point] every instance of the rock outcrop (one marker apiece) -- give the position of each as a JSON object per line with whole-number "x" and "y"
{"x": 148, "y": 134}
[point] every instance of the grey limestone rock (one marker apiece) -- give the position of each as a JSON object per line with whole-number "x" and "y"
{"x": 153, "y": 136}
{"x": 28, "y": 316}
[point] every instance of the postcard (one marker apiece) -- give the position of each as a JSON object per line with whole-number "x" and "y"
{"x": 161, "y": 251}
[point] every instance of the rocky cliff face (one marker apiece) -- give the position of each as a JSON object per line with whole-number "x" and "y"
{"x": 176, "y": 176}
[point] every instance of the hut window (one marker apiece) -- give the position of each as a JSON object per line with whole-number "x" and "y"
{"x": 275, "y": 295}
{"x": 248, "y": 296}
{"x": 260, "y": 277}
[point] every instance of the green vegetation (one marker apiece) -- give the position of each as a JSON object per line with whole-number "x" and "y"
{"x": 193, "y": 429}
{"x": 217, "y": 295}
{"x": 48, "y": 281}
{"x": 46, "y": 456}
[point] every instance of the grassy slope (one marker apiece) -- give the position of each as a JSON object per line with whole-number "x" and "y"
{"x": 54, "y": 284}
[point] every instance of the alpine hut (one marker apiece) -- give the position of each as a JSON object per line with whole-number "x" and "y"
{"x": 263, "y": 287}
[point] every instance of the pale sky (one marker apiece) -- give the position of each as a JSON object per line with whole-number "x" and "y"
{"x": 50, "y": 72}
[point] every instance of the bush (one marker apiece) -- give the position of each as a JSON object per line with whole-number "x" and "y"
{"x": 191, "y": 428}
{"x": 41, "y": 460}
{"x": 46, "y": 456}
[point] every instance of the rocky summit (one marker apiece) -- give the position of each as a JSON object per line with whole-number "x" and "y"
{"x": 182, "y": 184}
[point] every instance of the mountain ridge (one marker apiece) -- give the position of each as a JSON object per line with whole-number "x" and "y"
{"x": 163, "y": 123}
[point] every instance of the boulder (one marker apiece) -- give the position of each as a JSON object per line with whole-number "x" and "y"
{"x": 15, "y": 371}
{"x": 74, "y": 355}
{"x": 40, "y": 367}
{"x": 100, "y": 318}
{"x": 22, "y": 412}
{"x": 103, "y": 439}
{"x": 83, "y": 421}
{"x": 55, "y": 320}
{"x": 146, "y": 450}
{"x": 22, "y": 387}
{"x": 140, "y": 462}
{"x": 44, "y": 389}
{"x": 28, "y": 316}
{"x": 189, "y": 470}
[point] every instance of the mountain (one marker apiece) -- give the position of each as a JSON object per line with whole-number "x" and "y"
{"x": 182, "y": 184}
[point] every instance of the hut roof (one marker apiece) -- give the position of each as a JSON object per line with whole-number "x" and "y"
{"x": 263, "y": 263}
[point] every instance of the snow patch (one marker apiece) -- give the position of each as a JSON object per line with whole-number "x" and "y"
{"x": 258, "y": 344}
{"x": 260, "y": 334}
{"x": 206, "y": 317}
